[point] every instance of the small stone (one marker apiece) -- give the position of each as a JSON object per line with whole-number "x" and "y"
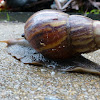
{"x": 43, "y": 70}
{"x": 52, "y": 73}
{"x": 51, "y": 98}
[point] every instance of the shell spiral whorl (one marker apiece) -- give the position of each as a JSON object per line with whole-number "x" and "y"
{"x": 58, "y": 35}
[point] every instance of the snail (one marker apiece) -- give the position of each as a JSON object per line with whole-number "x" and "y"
{"x": 60, "y": 39}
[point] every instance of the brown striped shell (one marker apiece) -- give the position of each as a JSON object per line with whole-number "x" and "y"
{"x": 58, "y": 35}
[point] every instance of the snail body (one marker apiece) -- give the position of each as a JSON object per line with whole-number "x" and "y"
{"x": 58, "y": 35}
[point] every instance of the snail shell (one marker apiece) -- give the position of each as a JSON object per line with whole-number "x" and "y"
{"x": 58, "y": 35}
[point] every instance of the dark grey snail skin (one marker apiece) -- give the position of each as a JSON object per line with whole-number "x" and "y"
{"x": 21, "y": 50}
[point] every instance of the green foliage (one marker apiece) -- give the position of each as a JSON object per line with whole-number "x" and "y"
{"x": 8, "y": 17}
{"x": 94, "y": 11}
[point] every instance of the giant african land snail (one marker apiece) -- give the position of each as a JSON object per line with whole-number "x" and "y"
{"x": 60, "y": 36}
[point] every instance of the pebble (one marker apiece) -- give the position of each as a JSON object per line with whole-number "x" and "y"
{"x": 51, "y": 98}
{"x": 52, "y": 73}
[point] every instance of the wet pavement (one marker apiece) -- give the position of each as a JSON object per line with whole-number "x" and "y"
{"x": 23, "y": 16}
{"x": 15, "y": 16}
